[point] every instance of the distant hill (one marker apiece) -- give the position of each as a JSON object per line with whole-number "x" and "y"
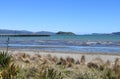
{"x": 116, "y": 33}
{"x": 18, "y": 32}
{"x": 100, "y": 34}
{"x": 14, "y": 32}
{"x": 65, "y": 33}
{"x": 22, "y": 32}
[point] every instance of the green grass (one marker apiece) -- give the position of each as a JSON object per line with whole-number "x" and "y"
{"x": 5, "y": 59}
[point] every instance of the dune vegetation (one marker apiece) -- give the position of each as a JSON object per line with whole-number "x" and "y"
{"x": 25, "y": 66}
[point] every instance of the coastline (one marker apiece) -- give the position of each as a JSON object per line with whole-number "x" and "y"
{"x": 67, "y": 64}
{"x": 76, "y": 55}
{"x": 65, "y": 49}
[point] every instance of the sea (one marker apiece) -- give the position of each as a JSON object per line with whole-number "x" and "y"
{"x": 65, "y": 43}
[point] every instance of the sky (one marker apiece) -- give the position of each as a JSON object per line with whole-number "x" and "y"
{"x": 78, "y": 16}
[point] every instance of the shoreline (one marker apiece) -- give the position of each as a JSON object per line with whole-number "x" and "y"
{"x": 75, "y": 55}
{"x": 54, "y": 51}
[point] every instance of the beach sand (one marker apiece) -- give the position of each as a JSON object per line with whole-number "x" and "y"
{"x": 77, "y": 56}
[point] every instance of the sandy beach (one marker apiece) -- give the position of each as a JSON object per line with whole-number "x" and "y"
{"x": 77, "y": 56}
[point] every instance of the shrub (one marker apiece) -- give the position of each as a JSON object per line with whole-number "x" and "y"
{"x": 8, "y": 70}
{"x": 83, "y": 60}
{"x": 46, "y": 72}
{"x": 5, "y": 59}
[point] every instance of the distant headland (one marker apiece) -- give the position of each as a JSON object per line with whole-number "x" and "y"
{"x": 24, "y": 32}
{"x": 65, "y": 33}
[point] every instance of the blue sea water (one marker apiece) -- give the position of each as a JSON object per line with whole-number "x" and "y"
{"x": 69, "y": 43}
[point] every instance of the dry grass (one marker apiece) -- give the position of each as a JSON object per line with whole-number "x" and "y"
{"x": 51, "y": 67}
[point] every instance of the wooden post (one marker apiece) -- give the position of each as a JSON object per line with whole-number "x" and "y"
{"x": 8, "y": 39}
